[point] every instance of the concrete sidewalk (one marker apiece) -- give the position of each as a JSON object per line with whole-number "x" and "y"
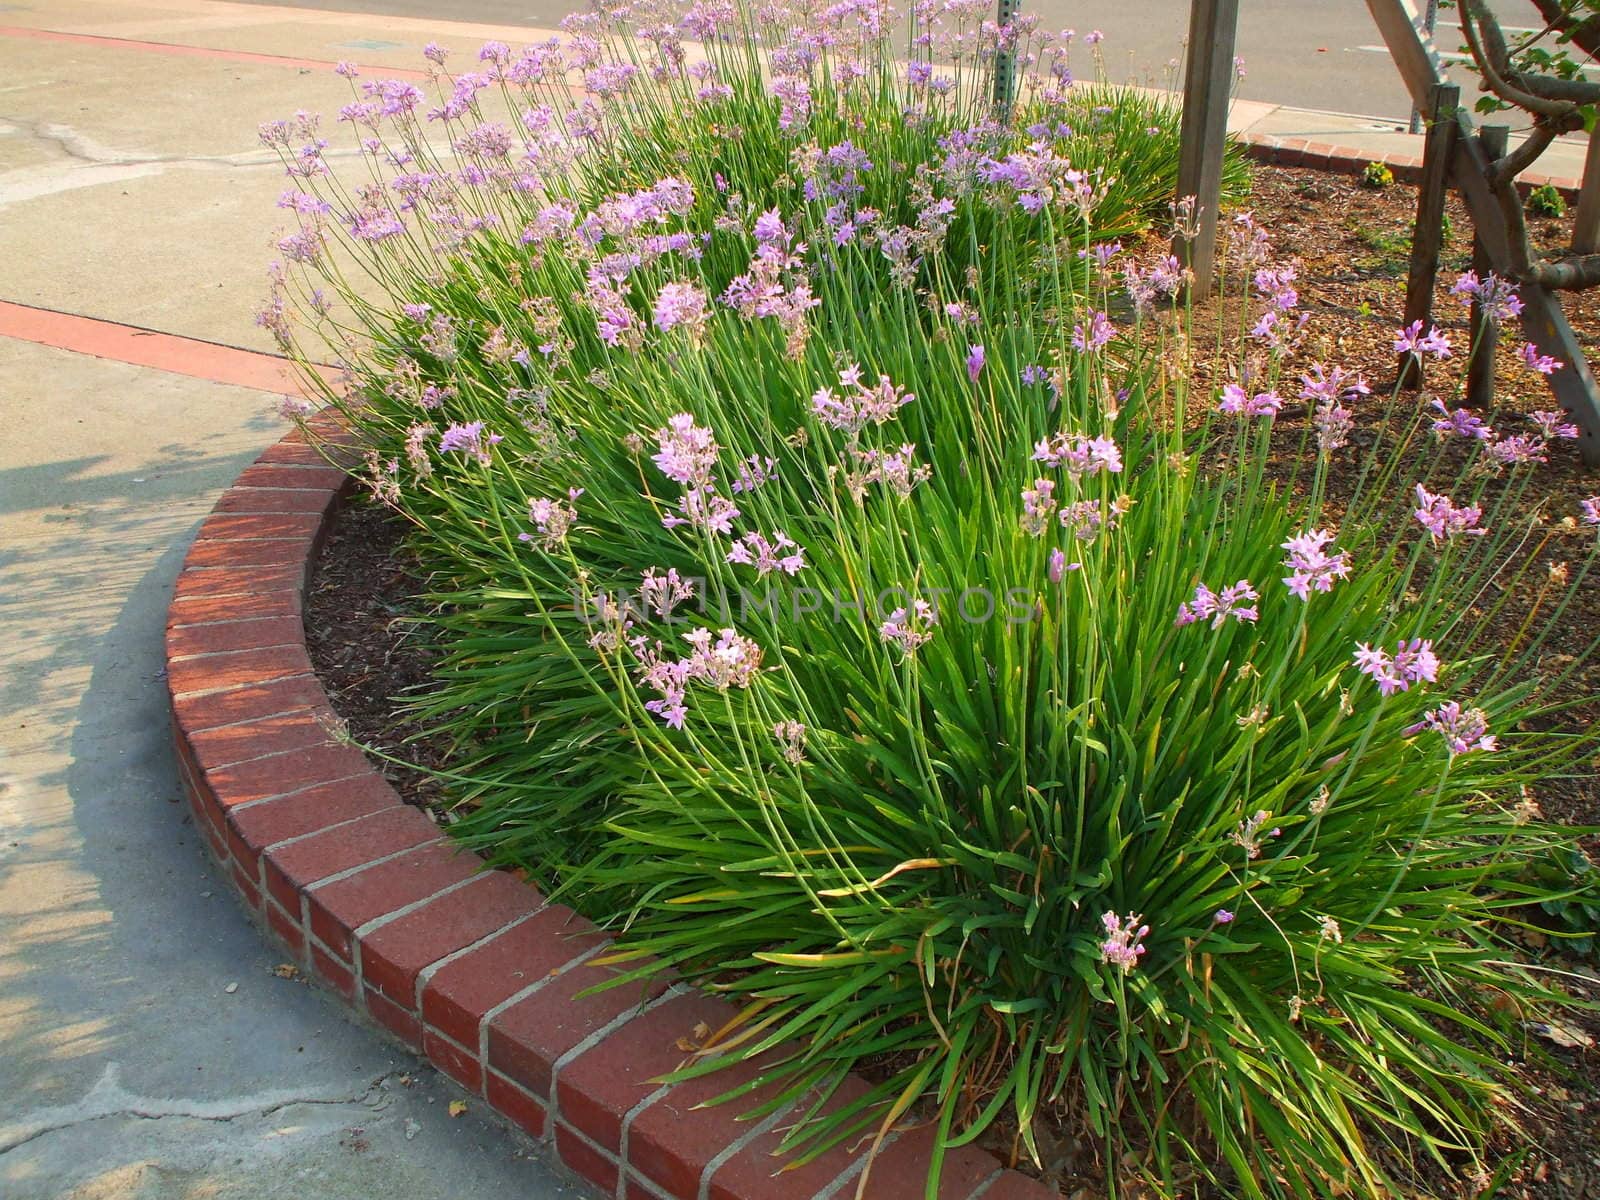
{"x": 150, "y": 1049}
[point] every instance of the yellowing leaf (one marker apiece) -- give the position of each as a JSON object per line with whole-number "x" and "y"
{"x": 458, "y": 1107}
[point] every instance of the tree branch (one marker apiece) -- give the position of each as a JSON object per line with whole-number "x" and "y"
{"x": 1570, "y": 274}
{"x": 1584, "y": 34}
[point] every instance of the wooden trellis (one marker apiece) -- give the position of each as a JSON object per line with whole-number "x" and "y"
{"x": 1467, "y": 158}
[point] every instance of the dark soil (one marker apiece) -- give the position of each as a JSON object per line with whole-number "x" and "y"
{"x": 1352, "y": 244}
{"x": 370, "y": 654}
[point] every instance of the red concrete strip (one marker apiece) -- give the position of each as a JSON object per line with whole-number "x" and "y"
{"x": 149, "y": 348}
{"x": 176, "y": 51}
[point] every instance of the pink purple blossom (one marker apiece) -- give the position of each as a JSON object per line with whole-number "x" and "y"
{"x": 1238, "y": 402}
{"x": 780, "y": 553}
{"x": 1080, "y": 456}
{"x": 680, "y": 305}
{"x": 1411, "y": 340}
{"x": 1124, "y": 942}
{"x": 1553, "y": 424}
{"x": 1459, "y": 423}
{"x": 911, "y": 628}
{"x": 1463, "y": 730}
{"x": 688, "y": 452}
{"x": 662, "y": 591}
{"x": 1233, "y": 601}
{"x": 551, "y": 519}
{"x": 1544, "y": 364}
{"x": 1310, "y": 564}
{"x": 1497, "y": 297}
{"x": 1442, "y": 519}
{"x": 1098, "y": 332}
{"x": 1412, "y": 662}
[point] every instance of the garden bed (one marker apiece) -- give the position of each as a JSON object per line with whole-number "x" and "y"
{"x": 1350, "y": 242}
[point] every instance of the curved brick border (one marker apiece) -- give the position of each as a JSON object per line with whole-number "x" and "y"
{"x": 470, "y": 967}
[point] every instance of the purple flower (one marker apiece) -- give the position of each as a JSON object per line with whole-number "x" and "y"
{"x": 753, "y": 472}
{"x": 1123, "y": 946}
{"x": 1310, "y": 564}
{"x": 661, "y": 592}
{"x": 552, "y": 519}
{"x": 791, "y": 739}
{"x": 1590, "y": 509}
{"x": 1098, "y": 333}
{"x": 910, "y": 628}
{"x": 1553, "y": 423}
{"x": 1461, "y": 423}
{"x": 1463, "y": 730}
{"x": 680, "y": 304}
{"x": 779, "y": 554}
{"x": 1059, "y": 566}
{"x": 1542, "y": 363}
{"x": 1411, "y": 340}
{"x": 688, "y": 452}
{"x": 1034, "y": 374}
{"x": 1333, "y": 424}
{"x": 1218, "y": 607}
{"x": 467, "y": 439}
{"x": 348, "y": 69}
{"x": 1442, "y": 519}
{"x": 1237, "y": 402}
{"x": 1080, "y": 456}
{"x": 975, "y": 360}
{"x": 1222, "y": 917}
{"x": 1412, "y": 662}
{"x": 1497, "y": 297}
{"x": 1516, "y": 450}
{"x": 1038, "y": 506}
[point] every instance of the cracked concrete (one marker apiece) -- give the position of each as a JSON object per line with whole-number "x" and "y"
{"x": 108, "y": 1098}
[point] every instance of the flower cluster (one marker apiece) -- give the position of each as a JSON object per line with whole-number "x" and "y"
{"x": 1081, "y": 457}
{"x": 858, "y": 406}
{"x": 778, "y": 554}
{"x": 1442, "y": 519}
{"x": 908, "y": 629}
{"x": 1412, "y": 662}
{"x": 1311, "y": 566}
{"x": 1123, "y": 946}
{"x": 732, "y": 661}
{"x": 1236, "y": 601}
{"x": 551, "y": 519}
{"x": 1496, "y": 297}
{"x": 1463, "y": 730}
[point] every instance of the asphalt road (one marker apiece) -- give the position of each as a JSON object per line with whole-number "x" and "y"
{"x": 1320, "y": 54}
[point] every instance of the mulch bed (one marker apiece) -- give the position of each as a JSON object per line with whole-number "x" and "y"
{"x": 1352, "y": 244}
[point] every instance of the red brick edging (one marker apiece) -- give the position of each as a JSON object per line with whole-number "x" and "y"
{"x": 470, "y": 967}
{"x": 1407, "y": 168}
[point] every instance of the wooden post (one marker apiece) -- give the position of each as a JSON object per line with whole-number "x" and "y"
{"x": 1485, "y": 333}
{"x": 1586, "y": 224}
{"x": 1207, "y": 85}
{"x": 1427, "y": 236}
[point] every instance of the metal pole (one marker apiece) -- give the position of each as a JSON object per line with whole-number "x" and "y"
{"x": 1429, "y": 21}
{"x": 1005, "y": 61}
